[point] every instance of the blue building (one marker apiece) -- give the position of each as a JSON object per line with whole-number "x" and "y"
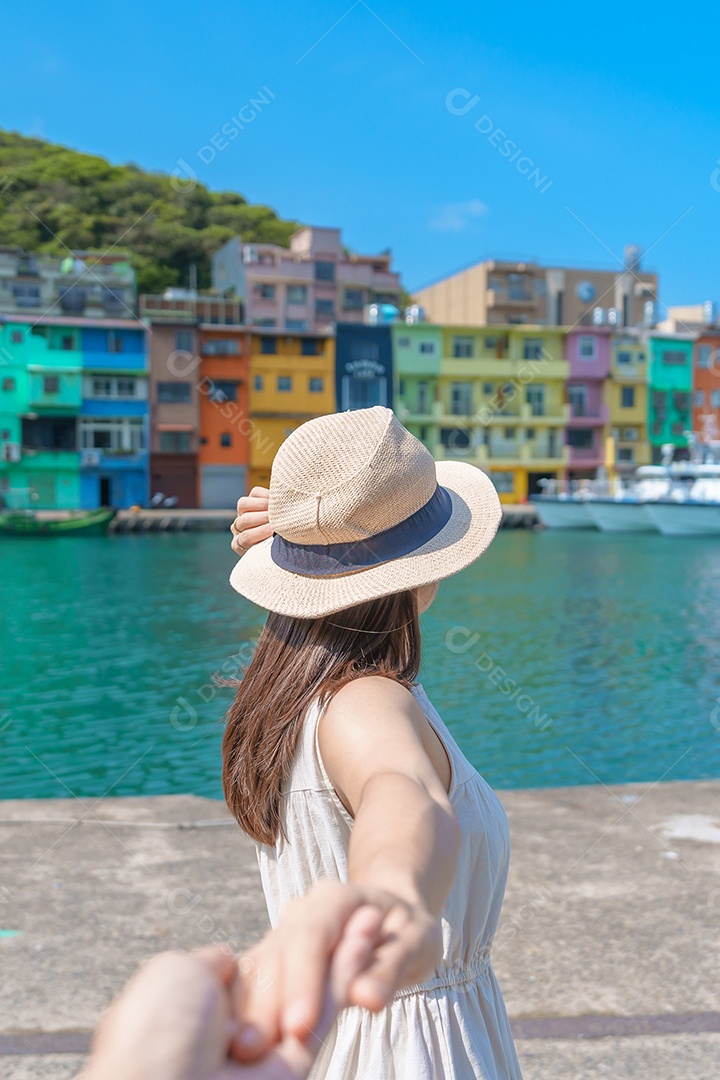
{"x": 363, "y": 366}
{"x": 114, "y": 414}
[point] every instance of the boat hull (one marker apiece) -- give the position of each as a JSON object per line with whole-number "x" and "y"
{"x": 685, "y": 518}
{"x": 563, "y": 513}
{"x": 614, "y": 515}
{"x": 86, "y": 524}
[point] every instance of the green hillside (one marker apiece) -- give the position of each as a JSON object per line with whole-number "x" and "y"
{"x": 53, "y": 198}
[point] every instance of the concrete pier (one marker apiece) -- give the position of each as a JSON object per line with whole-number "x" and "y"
{"x": 608, "y": 951}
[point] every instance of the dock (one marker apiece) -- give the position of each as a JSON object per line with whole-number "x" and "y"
{"x": 607, "y": 952}
{"x": 522, "y": 516}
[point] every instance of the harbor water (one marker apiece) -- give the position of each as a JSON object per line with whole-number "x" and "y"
{"x": 558, "y": 659}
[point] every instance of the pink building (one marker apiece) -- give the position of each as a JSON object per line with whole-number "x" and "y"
{"x": 588, "y": 352}
{"x": 308, "y": 286}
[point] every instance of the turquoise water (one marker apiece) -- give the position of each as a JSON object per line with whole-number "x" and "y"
{"x": 607, "y": 645}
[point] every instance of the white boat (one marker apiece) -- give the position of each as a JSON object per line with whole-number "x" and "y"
{"x": 563, "y": 511}
{"x": 620, "y": 515}
{"x": 692, "y": 505}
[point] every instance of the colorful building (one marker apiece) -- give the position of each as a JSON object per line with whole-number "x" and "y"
{"x": 588, "y": 354}
{"x": 306, "y": 287}
{"x": 40, "y": 401}
{"x": 670, "y": 389}
{"x": 498, "y": 291}
{"x": 493, "y": 396}
{"x": 225, "y": 427}
{"x": 706, "y": 385}
{"x": 292, "y": 380}
{"x": 626, "y": 398}
{"x": 363, "y": 366}
{"x": 114, "y": 416}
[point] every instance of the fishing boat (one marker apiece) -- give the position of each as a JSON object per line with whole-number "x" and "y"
{"x": 32, "y": 523}
{"x": 692, "y": 505}
{"x": 562, "y": 511}
{"x": 626, "y": 510}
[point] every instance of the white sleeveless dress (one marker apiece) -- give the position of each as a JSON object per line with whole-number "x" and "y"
{"x": 453, "y": 1026}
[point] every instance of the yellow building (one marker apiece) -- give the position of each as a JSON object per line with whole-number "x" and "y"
{"x": 626, "y": 396}
{"x": 292, "y": 379}
{"x": 498, "y": 399}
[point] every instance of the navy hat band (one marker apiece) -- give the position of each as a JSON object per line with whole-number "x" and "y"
{"x": 325, "y": 560}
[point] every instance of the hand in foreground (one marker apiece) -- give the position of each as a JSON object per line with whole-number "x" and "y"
{"x": 288, "y": 968}
{"x": 177, "y": 1017}
{"x": 251, "y": 524}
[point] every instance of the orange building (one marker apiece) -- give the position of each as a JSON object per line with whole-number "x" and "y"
{"x": 706, "y": 385}
{"x": 224, "y": 423}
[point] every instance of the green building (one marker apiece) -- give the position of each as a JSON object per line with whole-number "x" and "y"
{"x": 40, "y": 400}
{"x": 669, "y": 391}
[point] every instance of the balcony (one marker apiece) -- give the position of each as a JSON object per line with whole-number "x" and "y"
{"x": 587, "y": 418}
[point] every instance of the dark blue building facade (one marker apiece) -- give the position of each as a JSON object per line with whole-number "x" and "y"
{"x": 363, "y": 366}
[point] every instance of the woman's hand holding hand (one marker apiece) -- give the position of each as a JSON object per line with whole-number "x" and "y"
{"x": 251, "y": 524}
{"x": 285, "y": 974}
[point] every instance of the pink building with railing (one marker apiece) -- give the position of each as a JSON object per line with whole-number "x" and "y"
{"x": 587, "y": 351}
{"x": 309, "y": 286}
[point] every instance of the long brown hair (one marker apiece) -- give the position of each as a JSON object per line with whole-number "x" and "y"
{"x": 296, "y": 662}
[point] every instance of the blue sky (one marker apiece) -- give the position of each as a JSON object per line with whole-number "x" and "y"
{"x": 615, "y": 112}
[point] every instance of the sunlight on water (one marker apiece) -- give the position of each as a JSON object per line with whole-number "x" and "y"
{"x": 558, "y": 659}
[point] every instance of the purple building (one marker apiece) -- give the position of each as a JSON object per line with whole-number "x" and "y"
{"x": 587, "y": 350}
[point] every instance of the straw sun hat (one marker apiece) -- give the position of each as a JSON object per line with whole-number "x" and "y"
{"x": 359, "y": 510}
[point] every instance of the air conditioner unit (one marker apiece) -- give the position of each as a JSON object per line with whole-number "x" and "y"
{"x": 12, "y": 452}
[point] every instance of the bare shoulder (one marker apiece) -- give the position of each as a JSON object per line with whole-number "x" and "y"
{"x": 369, "y": 691}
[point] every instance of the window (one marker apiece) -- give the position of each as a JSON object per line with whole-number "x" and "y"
{"x": 221, "y": 347}
{"x": 530, "y": 434}
{"x": 16, "y": 337}
{"x": 26, "y": 295}
{"x": 51, "y": 384}
{"x": 401, "y": 387}
{"x": 626, "y": 453}
{"x": 518, "y": 287}
{"x": 703, "y": 356}
{"x": 324, "y": 271}
{"x": 174, "y": 392}
{"x": 267, "y": 323}
{"x": 268, "y": 346}
{"x": 125, "y": 388}
{"x": 503, "y": 482}
{"x": 297, "y": 294}
{"x": 629, "y": 434}
{"x": 427, "y": 347}
{"x": 580, "y": 438}
{"x": 577, "y": 396}
{"x": 117, "y": 435}
{"x": 461, "y": 399}
{"x": 258, "y": 382}
{"x": 587, "y": 347}
{"x": 265, "y": 292}
{"x": 114, "y": 342}
{"x": 226, "y": 439}
{"x": 175, "y": 442}
{"x": 715, "y": 399}
{"x": 422, "y": 391}
{"x": 532, "y": 348}
{"x": 284, "y": 383}
{"x": 310, "y": 347}
{"x": 364, "y": 350}
{"x": 457, "y": 439}
{"x": 296, "y": 324}
{"x": 681, "y": 401}
{"x": 403, "y": 343}
{"x": 463, "y": 347}
{"x": 535, "y": 397}
{"x": 488, "y": 388}
{"x": 627, "y": 397}
{"x": 699, "y": 397}
{"x": 101, "y": 388}
{"x": 624, "y": 357}
{"x": 673, "y": 357}
{"x": 184, "y": 340}
{"x": 8, "y": 384}
{"x": 222, "y": 391}
{"x": 67, "y": 342}
{"x": 325, "y": 308}
{"x": 316, "y": 385}
{"x": 353, "y": 299}
{"x": 509, "y": 432}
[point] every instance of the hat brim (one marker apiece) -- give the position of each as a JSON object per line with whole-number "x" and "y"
{"x": 475, "y": 518}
